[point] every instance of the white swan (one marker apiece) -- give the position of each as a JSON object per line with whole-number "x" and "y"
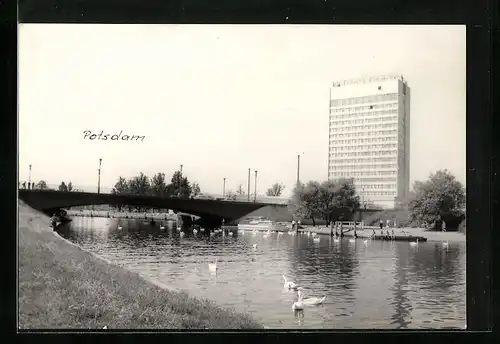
{"x": 289, "y": 284}
{"x": 445, "y": 244}
{"x": 365, "y": 242}
{"x": 195, "y": 231}
{"x": 280, "y": 233}
{"x": 254, "y": 246}
{"x": 336, "y": 240}
{"x": 213, "y": 266}
{"x": 230, "y": 233}
{"x": 254, "y": 232}
{"x": 179, "y": 229}
{"x": 182, "y": 234}
{"x": 298, "y": 306}
{"x": 212, "y": 234}
{"x": 352, "y": 241}
{"x": 265, "y": 236}
{"x": 120, "y": 227}
{"x": 202, "y": 230}
{"x": 316, "y": 239}
{"x": 162, "y": 227}
{"x": 414, "y": 243}
{"x": 293, "y": 233}
{"x": 242, "y": 231}
{"x": 310, "y": 301}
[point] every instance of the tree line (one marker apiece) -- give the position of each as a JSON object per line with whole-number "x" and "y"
{"x": 440, "y": 196}
{"x": 142, "y": 185}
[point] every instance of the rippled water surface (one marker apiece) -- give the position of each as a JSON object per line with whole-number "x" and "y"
{"x": 382, "y": 285}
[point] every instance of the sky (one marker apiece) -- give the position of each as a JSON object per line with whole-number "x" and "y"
{"x": 220, "y": 99}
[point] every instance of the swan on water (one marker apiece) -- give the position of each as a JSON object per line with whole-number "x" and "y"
{"x": 311, "y": 301}
{"x": 298, "y": 306}
{"x": 336, "y": 240}
{"x": 182, "y": 234}
{"x": 365, "y": 242}
{"x": 230, "y": 233}
{"x": 445, "y": 244}
{"x": 293, "y": 233}
{"x": 105, "y": 328}
{"x": 213, "y": 266}
{"x": 212, "y": 234}
{"x": 202, "y": 230}
{"x": 195, "y": 231}
{"x": 316, "y": 239}
{"x": 179, "y": 229}
{"x": 254, "y": 232}
{"x": 289, "y": 284}
{"x": 352, "y": 241}
{"x": 120, "y": 227}
{"x": 254, "y": 246}
{"x": 162, "y": 227}
{"x": 265, "y": 236}
{"x": 242, "y": 231}
{"x": 414, "y": 243}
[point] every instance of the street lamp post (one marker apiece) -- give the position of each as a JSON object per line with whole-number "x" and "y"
{"x": 29, "y": 179}
{"x": 248, "y": 191}
{"x": 99, "y": 178}
{"x": 298, "y": 169}
{"x": 255, "y": 193}
{"x": 180, "y": 183}
{"x": 224, "y": 188}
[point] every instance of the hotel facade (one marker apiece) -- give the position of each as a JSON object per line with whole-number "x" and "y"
{"x": 369, "y": 137}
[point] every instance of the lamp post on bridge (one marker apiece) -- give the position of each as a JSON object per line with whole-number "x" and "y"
{"x": 180, "y": 183}
{"x": 29, "y": 179}
{"x": 255, "y": 193}
{"x": 248, "y": 191}
{"x": 99, "y": 178}
{"x": 224, "y": 189}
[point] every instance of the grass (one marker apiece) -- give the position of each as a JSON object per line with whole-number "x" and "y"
{"x": 63, "y": 286}
{"x": 402, "y": 217}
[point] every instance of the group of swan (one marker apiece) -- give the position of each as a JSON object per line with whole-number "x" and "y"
{"x": 310, "y": 301}
{"x": 301, "y": 302}
{"x": 213, "y": 266}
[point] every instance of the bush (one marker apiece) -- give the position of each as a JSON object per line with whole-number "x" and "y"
{"x": 401, "y": 216}
{"x": 462, "y": 227}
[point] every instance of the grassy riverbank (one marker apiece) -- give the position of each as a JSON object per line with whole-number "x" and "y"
{"x": 63, "y": 286}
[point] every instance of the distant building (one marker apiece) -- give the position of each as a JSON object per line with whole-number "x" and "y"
{"x": 370, "y": 137}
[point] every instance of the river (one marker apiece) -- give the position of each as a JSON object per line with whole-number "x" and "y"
{"x": 382, "y": 285}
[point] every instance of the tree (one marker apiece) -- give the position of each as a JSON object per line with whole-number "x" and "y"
{"x": 303, "y": 203}
{"x": 329, "y": 199}
{"x": 276, "y": 189}
{"x": 140, "y": 186}
{"x": 336, "y": 197}
{"x": 121, "y": 187}
{"x": 158, "y": 185}
{"x": 179, "y": 185}
{"x": 240, "y": 191}
{"x": 42, "y": 185}
{"x": 441, "y": 194}
{"x": 195, "y": 189}
{"x": 70, "y": 186}
{"x": 63, "y": 187}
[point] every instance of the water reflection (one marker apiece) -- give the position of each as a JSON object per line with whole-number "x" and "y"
{"x": 377, "y": 285}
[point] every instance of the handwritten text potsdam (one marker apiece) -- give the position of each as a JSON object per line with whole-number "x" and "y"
{"x": 88, "y": 135}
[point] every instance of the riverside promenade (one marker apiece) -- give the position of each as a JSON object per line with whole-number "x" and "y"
{"x": 367, "y": 231}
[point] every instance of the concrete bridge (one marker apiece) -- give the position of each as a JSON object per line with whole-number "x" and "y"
{"x": 211, "y": 212}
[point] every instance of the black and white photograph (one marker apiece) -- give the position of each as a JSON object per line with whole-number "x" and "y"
{"x": 241, "y": 176}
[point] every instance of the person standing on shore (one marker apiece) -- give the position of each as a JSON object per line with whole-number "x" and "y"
{"x": 443, "y": 226}
{"x": 381, "y": 224}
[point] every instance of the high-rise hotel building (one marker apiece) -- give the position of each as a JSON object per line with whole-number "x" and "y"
{"x": 370, "y": 137}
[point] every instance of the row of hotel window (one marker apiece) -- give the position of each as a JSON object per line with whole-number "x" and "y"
{"x": 366, "y": 135}
{"x": 349, "y": 168}
{"x": 337, "y": 139}
{"x": 378, "y": 133}
{"x": 380, "y": 193}
{"x": 365, "y": 99}
{"x": 364, "y": 144}
{"x": 373, "y": 153}
{"x": 370, "y": 126}
{"x": 363, "y": 173}
{"x": 371, "y": 110}
{"x": 360, "y": 160}
{"x": 376, "y": 186}
{"x": 384, "y": 119}
{"x": 357, "y": 181}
